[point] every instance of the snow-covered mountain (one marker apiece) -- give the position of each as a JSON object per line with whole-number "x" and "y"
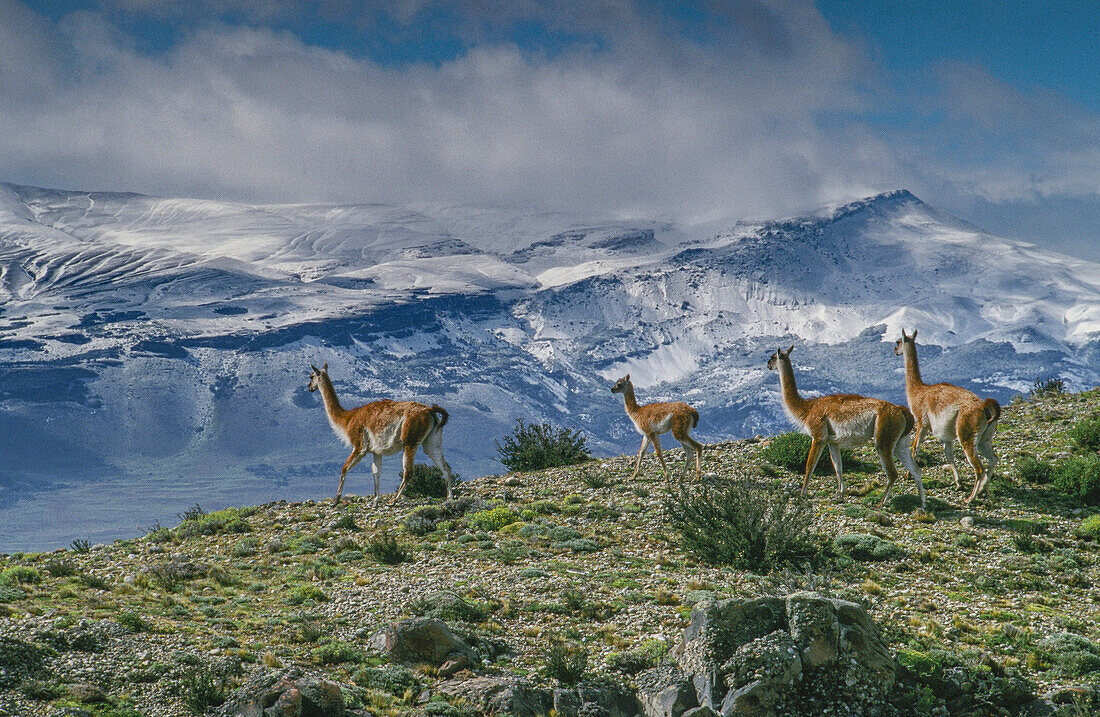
{"x": 154, "y": 352}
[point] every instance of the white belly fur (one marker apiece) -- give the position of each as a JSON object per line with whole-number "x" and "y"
{"x": 662, "y": 426}
{"x": 942, "y": 425}
{"x": 853, "y": 432}
{"x": 387, "y": 441}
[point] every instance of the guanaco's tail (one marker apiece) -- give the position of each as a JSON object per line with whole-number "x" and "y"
{"x": 443, "y": 415}
{"x": 992, "y": 410}
{"x": 694, "y": 418}
{"x": 909, "y": 421}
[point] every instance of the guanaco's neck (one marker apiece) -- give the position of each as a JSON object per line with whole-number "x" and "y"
{"x": 794, "y": 403}
{"x": 332, "y": 404}
{"x": 912, "y": 371}
{"x": 629, "y": 400}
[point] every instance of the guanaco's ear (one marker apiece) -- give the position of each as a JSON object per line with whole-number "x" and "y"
{"x": 325, "y": 367}
{"x": 914, "y": 336}
{"x": 903, "y": 334}
{"x": 790, "y": 349}
{"x": 315, "y": 369}
{"x": 628, "y": 377}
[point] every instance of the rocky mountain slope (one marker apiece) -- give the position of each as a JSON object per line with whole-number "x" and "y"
{"x": 156, "y": 349}
{"x": 980, "y": 608}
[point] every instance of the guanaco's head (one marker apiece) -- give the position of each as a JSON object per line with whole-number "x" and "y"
{"x": 899, "y": 345}
{"x": 773, "y": 361}
{"x": 621, "y": 384}
{"x": 315, "y": 377}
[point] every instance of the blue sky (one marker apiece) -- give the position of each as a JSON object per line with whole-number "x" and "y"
{"x": 693, "y": 112}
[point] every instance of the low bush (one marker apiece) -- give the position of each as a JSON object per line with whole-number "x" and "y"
{"x": 426, "y": 518}
{"x": 790, "y": 451}
{"x": 534, "y": 446}
{"x": 492, "y": 519}
{"x": 863, "y": 546}
{"x": 305, "y": 593}
{"x": 1072, "y": 655}
{"x": 1085, "y": 434}
{"x": 133, "y": 622}
{"x": 19, "y": 575}
{"x": 392, "y": 679}
{"x": 386, "y": 549}
{"x": 336, "y": 653}
{"x": 428, "y": 482}
{"x": 202, "y": 689}
{"x": 1032, "y": 470}
{"x": 749, "y": 525}
{"x": 80, "y": 546}
{"x": 1089, "y": 529}
{"x": 61, "y": 568}
{"x": 449, "y": 606}
{"x": 567, "y": 663}
{"x": 1047, "y": 387}
{"x": 632, "y": 662}
{"x": 1079, "y": 478}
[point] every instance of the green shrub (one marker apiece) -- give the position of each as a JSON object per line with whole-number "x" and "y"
{"x": 80, "y": 546}
{"x": 43, "y": 691}
{"x": 428, "y": 482}
{"x": 751, "y": 526}
{"x": 386, "y": 549}
{"x": 1032, "y": 470}
{"x": 567, "y": 663}
{"x": 61, "y": 568}
{"x": 336, "y": 653}
{"x": 1079, "y": 478}
{"x": 449, "y": 606}
{"x": 197, "y": 522}
{"x": 790, "y": 451}
{"x": 346, "y": 522}
{"x": 1089, "y": 529}
{"x": 305, "y": 593}
{"x": 533, "y": 447}
{"x": 1047, "y": 387}
{"x": 1085, "y": 434}
{"x": 246, "y": 547}
{"x": 133, "y": 622}
{"x": 868, "y": 547}
{"x": 202, "y": 689}
{"x": 632, "y": 662}
{"x": 493, "y": 518}
{"x": 19, "y": 660}
{"x": 395, "y": 680}
{"x": 19, "y": 575}
{"x": 1072, "y": 655}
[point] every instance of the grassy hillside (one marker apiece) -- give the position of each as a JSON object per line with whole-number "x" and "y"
{"x": 577, "y": 555}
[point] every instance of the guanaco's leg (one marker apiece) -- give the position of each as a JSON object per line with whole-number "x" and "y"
{"x": 949, "y": 458}
{"x": 680, "y": 433}
{"x": 886, "y": 458}
{"x": 816, "y": 447}
{"x": 351, "y": 462}
{"x": 660, "y": 456}
{"x": 638, "y": 463}
{"x": 910, "y": 463}
{"x": 376, "y": 469}
{"x": 979, "y": 472}
{"x": 407, "y": 456}
{"x": 834, "y": 454}
{"x": 433, "y": 447}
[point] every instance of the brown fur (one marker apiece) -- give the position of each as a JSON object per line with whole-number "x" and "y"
{"x": 382, "y": 428}
{"x": 653, "y": 419}
{"x": 845, "y": 419}
{"x": 951, "y": 413}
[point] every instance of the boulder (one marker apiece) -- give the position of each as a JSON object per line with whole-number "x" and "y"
{"x": 800, "y": 655}
{"x": 285, "y": 693}
{"x": 500, "y": 695}
{"x": 419, "y": 640}
{"x": 665, "y": 691}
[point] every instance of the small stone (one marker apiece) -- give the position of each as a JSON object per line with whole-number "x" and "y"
{"x": 966, "y": 521}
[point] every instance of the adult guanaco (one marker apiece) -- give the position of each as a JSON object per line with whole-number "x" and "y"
{"x": 846, "y": 420}
{"x": 653, "y": 419}
{"x": 383, "y": 428}
{"x": 950, "y": 413}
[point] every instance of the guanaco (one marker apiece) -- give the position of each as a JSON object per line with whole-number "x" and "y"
{"x": 950, "y": 413}
{"x": 653, "y": 419}
{"x": 383, "y": 428}
{"x": 846, "y": 420}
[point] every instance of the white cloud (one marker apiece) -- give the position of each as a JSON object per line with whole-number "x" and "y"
{"x": 761, "y": 115}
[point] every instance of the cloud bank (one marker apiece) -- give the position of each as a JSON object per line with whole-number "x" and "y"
{"x": 757, "y": 109}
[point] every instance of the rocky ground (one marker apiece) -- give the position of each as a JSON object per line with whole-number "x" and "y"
{"x": 558, "y": 563}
